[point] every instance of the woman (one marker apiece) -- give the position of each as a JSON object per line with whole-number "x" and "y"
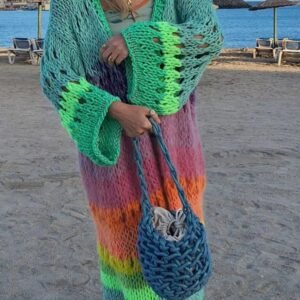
{"x": 107, "y": 67}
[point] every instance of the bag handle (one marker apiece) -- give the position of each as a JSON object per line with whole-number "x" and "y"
{"x": 146, "y": 205}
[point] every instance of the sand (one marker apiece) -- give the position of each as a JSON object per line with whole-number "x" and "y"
{"x": 249, "y": 118}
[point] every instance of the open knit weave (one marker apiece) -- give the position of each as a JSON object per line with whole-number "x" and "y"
{"x": 173, "y": 269}
{"x": 82, "y": 89}
{"x": 167, "y": 57}
{"x": 114, "y": 197}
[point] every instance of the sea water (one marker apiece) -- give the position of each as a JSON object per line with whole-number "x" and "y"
{"x": 240, "y": 26}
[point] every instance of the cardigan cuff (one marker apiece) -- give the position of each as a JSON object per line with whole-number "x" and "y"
{"x": 83, "y": 110}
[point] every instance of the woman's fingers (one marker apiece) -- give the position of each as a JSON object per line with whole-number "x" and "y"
{"x": 147, "y": 125}
{"x": 108, "y": 52}
{"x": 122, "y": 56}
{"x": 116, "y": 56}
{"x": 114, "y": 50}
{"x": 152, "y": 113}
{"x": 156, "y": 118}
{"x": 135, "y": 134}
{"x": 134, "y": 119}
{"x": 113, "y": 56}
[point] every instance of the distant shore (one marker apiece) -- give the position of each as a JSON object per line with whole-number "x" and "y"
{"x": 15, "y": 9}
{"x": 240, "y": 27}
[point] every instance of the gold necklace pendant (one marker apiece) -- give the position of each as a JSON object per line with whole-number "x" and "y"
{"x": 129, "y": 3}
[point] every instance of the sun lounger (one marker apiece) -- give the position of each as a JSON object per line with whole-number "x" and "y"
{"x": 21, "y": 47}
{"x": 37, "y": 50}
{"x": 265, "y": 45}
{"x": 289, "y": 47}
{"x": 278, "y": 45}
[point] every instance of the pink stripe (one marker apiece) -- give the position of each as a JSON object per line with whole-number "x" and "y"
{"x": 183, "y": 141}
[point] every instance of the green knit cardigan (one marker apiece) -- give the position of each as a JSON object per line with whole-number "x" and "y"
{"x": 167, "y": 57}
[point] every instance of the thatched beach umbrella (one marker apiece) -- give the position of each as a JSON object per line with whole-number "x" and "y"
{"x": 231, "y": 4}
{"x": 274, "y": 4}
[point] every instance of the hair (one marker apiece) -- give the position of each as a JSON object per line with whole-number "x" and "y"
{"x": 116, "y": 5}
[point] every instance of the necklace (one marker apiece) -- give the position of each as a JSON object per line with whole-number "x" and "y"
{"x": 129, "y": 3}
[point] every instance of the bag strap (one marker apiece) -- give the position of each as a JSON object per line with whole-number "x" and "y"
{"x": 146, "y": 205}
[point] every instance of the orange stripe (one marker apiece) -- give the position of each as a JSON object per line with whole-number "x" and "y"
{"x": 117, "y": 228}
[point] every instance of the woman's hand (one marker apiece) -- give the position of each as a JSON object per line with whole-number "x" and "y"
{"x": 133, "y": 118}
{"x": 114, "y": 50}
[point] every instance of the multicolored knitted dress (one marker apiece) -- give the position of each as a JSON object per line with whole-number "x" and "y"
{"x": 159, "y": 75}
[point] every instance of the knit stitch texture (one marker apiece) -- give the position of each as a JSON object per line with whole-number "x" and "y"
{"x": 167, "y": 57}
{"x": 157, "y": 74}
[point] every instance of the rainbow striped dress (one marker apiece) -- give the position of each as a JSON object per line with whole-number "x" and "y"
{"x": 113, "y": 195}
{"x": 168, "y": 54}
{"x": 113, "y": 192}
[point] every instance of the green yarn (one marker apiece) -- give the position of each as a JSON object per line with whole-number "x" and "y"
{"x": 85, "y": 118}
{"x": 127, "y": 280}
{"x": 139, "y": 291}
{"x": 160, "y": 75}
{"x": 168, "y": 59}
{"x": 81, "y": 106}
{"x": 102, "y": 17}
{"x": 132, "y": 285}
{"x": 170, "y": 51}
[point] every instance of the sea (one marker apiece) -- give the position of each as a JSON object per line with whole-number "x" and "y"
{"x": 240, "y": 27}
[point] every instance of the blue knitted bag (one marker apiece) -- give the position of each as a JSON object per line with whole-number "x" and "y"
{"x": 175, "y": 270}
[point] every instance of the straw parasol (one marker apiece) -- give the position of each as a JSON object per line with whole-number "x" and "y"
{"x": 231, "y": 4}
{"x": 274, "y": 4}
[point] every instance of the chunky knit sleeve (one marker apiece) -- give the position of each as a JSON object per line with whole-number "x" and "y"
{"x": 81, "y": 106}
{"x": 166, "y": 60}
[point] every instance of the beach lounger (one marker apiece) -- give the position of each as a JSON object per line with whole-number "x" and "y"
{"x": 37, "y": 50}
{"x": 265, "y": 45}
{"x": 21, "y": 47}
{"x": 278, "y": 45}
{"x": 289, "y": 47}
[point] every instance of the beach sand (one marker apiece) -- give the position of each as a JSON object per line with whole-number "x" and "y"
{"x": 249, "y": 117}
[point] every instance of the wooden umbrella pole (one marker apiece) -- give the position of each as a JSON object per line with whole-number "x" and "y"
{"x": 39, "y": 20}
{"x": 275, "y": 24}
